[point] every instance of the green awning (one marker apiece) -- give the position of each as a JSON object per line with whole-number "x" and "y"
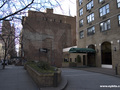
{"x": 82, "y": 50}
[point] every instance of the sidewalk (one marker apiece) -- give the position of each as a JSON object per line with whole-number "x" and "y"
{"x": 16, "y": 78}
{"x": 106, "y": 71}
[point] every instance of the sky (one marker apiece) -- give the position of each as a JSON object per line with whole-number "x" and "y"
{"x": 68, "y": 6}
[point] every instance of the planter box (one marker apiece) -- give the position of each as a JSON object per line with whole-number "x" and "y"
{"x": 72, "y": 64}
{"x": 65, "y": 65}
{"x": 79, "y": 64}
{"x": 44, "y": 80}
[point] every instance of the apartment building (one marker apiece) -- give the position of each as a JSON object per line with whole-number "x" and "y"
{"x": 98, "y": 27}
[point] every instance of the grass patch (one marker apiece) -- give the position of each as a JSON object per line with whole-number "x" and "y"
{"x": 42, "y": 67}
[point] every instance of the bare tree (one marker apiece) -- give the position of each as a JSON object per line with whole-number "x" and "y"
{"x": 8, "y": 39}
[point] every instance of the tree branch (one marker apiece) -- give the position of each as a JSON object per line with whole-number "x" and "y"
{"x": 17, "y": 11}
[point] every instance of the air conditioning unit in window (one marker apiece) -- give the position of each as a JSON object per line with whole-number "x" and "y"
{"x": 81, "y": 25}
{"x": 89, "y": 10}
{"x": 103, "y": 2}
{"x": 90, "y": 23}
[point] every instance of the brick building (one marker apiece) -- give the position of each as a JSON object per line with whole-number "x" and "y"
{"x": 98, "y": 27}
{"x": 47, "y": 31}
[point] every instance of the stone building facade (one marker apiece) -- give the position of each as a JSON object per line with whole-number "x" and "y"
{"x": 44, "y": 35}
{"x": 98, "y": 27}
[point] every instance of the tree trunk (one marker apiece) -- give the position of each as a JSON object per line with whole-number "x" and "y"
{"x": 4, "y": 58}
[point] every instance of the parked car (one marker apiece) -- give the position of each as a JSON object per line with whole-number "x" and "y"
{"x": 6, "y": 62}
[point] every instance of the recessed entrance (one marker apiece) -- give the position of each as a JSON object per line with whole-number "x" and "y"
{"x": 106, "y": 54}
{"x": 91, "y": 57}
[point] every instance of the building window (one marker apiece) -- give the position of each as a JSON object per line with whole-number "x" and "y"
{"x": 54, "y": 20}
{"x": 81, "y": 22}
{"x": 101, "y": 1}
{"x": 91, "y": 31}
{"x": 118, "y": 3}
{"x": 70, "y": 59}
{"x": 60, "y": 21}
{"x": 80, "y": 2}
{"x": 81, "y": 34}
{"x": 105, "y": 25}
{"x": 81, "y": 11}
{"x": 119, "y": 19}
{"x": 104, "y": 10}
{"x": 90, "y": 18}
{"x": 90, "y": 5}
{"x": 44, "y": 18}
{"x": 75, "y": 60}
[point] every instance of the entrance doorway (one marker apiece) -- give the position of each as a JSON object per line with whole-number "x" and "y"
{"x": 84, "y": 60}
{"x": 91, "y": 57}
{"x": 106, "y": 54}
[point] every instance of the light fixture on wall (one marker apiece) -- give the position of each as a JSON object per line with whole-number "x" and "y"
{"x": 111, "y": 42}
{"x": 97, "y": 50}
{"x": 95, "y": 45}
{"x": 99, "y": 44}
{"x": 118, "y": 41}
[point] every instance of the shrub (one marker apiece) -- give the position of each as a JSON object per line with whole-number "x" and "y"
{"x": 41, "y": 66}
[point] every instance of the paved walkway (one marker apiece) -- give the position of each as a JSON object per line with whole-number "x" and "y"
{"x": 16, "y": 78}
{"x": 107, "y": 71}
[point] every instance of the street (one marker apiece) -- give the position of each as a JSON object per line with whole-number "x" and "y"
{"x": 83, "y": 80}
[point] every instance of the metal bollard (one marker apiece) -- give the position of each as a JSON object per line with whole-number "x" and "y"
{"x": 55, "y": 80}
{"x": 116, "y": 69}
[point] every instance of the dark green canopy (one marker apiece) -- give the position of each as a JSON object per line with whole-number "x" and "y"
{"x": 82, "y": 50}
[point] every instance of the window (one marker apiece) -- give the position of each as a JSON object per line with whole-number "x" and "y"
{"x": 81, "y": 22}
{"x": 81, "y": 11}
{"x": 81, "y": 34}
{"x": 105, "y": 25}
{"x": 60, "y": 21}
{"x": 104, "y": 10}
{"x": 90, "y": 5}
{"x": 90, "y": 18}
{"x": 80, "y": 2}
{"x": 119, "y": 19}
{"x": 91, "y": 30}
{"x": 70, "y": 59}
{"x": 118, "y": 3}
{"x": 101, "y": 1}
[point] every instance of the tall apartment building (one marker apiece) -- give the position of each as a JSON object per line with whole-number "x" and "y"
{"x": 98, "y": 27}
